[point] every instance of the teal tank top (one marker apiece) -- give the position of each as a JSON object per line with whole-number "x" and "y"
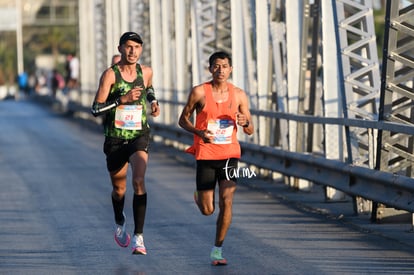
{"x": 119, "y": 88}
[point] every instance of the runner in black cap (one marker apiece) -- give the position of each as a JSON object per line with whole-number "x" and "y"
{"x": 122, "y": 96}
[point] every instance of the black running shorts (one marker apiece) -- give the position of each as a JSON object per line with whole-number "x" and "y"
{"x": 118, "y": 150}
{"x": 211, "y": 171}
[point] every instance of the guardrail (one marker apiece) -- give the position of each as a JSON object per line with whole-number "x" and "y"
{"x": 389, "y": 189}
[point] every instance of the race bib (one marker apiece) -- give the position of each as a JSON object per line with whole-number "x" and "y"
{"x": 222, "y": 129}
{"x": 128, "y": 117}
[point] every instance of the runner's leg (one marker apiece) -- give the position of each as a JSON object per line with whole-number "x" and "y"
{"x": 118, "y": 180}
{"x": 139, "y": 165}
{"x": 206, "y": 202}
{"x": 226, "y": 193}
{"x": 206, "y": 183}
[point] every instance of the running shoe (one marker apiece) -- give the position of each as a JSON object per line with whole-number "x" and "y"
{"x": 217, "y": 257}
{"x": 138, "y": 246}
{"x": 122, "y": 238}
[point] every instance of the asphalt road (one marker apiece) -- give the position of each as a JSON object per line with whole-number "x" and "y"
{"x": 56, "y": 215}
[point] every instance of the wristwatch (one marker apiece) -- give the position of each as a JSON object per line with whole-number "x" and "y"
{"x": 247, "y": 124}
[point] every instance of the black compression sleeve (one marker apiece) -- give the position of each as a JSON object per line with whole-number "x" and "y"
{"x": 101, "y": 108}
{"x": 151, "y": 94}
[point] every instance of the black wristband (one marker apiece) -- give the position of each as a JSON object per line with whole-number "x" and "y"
{"x": 247, "y": 124}
{"x": 150, "y": 94}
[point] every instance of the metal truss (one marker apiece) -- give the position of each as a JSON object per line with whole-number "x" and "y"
{"x": 307, "y": 80}
{"x": 203, "y": 36}
{"x": 361, "y": 75}
{"x": 100, "y": 32}
{"x": 332, "y": 107}
{"x": 139, "y": 10}
{"x": 223, "y": 26}
{"x": 395, "y": 150}
{"x": 308, "y": 73}
{"x": 279, "y": 137}
{"x": 211, "y": 31}
{"x": 360, "y": 81}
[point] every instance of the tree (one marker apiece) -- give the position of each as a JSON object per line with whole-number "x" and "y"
{"x": 54, "y": 40}
{"x": 8, "y": 56}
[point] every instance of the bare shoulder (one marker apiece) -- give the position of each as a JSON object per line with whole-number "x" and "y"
{"x": 105, "y": 83}
{"x": 108, "y": 75}
{"x": 147, "y": 74}
{"x": 198, "y": 91}
{"x": 198, "y": 88}
{"x": 146, "y": 69}
{"x": 238, "y": 90}
{"x": 240, "y": 93}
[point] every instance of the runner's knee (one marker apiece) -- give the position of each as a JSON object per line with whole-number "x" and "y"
{"x": 226, "y": 202}
{"x": 118, "y": 192}
{"x": 206, "y": 210}
{"x": 138, "y": 183}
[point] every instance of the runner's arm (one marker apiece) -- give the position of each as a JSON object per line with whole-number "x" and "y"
{"x": 101, "y": 108}
{"x": 151, "y": 98}
{"x": 100, "y": 104}
{"x": 245, "y": 116}
{"x": 194, "y": 99}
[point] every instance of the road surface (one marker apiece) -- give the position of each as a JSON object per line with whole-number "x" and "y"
{"x": 56, "y": 214}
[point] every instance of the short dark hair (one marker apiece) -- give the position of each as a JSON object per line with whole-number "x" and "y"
{"x": 219, "y": 55}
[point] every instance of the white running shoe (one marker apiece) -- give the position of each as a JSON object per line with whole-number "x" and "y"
{"x": 138, "y": 246}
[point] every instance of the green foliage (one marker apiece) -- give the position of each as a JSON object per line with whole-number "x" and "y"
{"x": 8, "y": 55}
{"x": 55, "y": 40}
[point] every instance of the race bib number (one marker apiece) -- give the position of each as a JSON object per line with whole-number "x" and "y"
{"x": 222, "y": 129}
{"x": 128, "y": 117}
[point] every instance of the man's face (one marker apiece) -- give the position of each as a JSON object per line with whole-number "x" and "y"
{"x": 221, "y": 69}
{"x": 131, "y": 51}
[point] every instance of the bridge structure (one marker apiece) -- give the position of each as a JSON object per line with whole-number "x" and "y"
{"x": 328, "y": 107}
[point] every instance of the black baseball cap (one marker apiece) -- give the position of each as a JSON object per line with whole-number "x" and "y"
{"x": 130, "y": 36}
